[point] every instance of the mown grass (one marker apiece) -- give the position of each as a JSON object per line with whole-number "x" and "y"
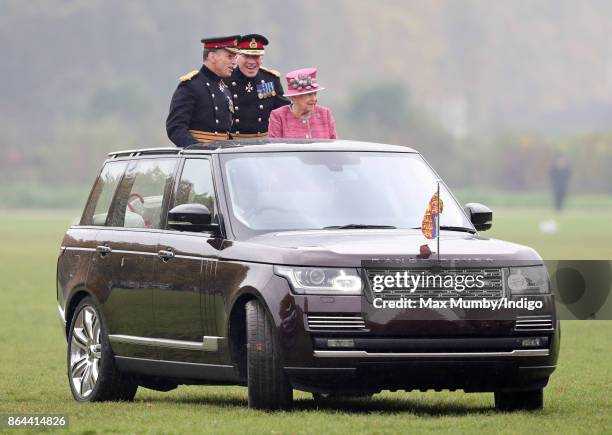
{"x": 582, "y": 234}
{"x": 33, "y": 380}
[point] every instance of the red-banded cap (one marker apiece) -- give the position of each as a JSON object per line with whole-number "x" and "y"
{"x": 252, "y": 44}
{"x": 228, "y": 42}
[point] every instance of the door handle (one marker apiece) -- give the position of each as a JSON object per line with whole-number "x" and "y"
{"x": 165, "y": 254}
{"x": 103, "y": 250}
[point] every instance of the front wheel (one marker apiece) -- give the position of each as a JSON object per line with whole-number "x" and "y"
{"x": 531, "y": 400}
{"x": 92, "y": 374}
{"x": 267, "y": 382}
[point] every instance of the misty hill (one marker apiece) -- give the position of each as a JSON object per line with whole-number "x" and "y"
{"x": 86, "y": 74}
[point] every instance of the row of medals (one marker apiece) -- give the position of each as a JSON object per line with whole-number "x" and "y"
{"x": 248, "y": 88}
{"x": 261, "y": 95}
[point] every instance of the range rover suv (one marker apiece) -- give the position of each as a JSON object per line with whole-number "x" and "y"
{"x": 259, "y": 263}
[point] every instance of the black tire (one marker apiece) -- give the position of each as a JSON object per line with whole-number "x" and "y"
{"x": 531, "y": 400}
{"x": 109, "y": 384}
{"x": 267, "y": 382}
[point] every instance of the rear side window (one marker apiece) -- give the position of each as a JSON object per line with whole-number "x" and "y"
{"x": 140, "y": 198}
{"x": 102, "y": 194}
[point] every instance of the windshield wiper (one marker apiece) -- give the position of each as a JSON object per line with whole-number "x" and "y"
{"x": 461, "y": 229}
{"x": 358, "y": 227}
{"x": 449, "y": 228}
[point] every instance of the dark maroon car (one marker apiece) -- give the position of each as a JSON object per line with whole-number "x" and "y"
{"x": 291, "y": 264}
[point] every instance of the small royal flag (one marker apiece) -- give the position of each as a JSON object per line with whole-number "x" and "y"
{"x": 429, "y": 226}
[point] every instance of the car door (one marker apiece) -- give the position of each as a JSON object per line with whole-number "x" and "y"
{"x": 124, "y": 265}
{"x": 181, "y": 298}
{"x": 79, "y": 245}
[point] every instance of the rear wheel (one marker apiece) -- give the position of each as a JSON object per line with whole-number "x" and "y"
{"x": 267, "y": 382}
{"x": 92, "y": 374}
{"x": 531, "y": 400}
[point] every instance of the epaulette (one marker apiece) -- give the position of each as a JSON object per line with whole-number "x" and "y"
{"x": 270, "y": 70}
{"x": 189, "y": 75}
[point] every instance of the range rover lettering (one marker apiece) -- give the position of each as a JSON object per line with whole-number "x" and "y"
{"x": 291, "y": 264}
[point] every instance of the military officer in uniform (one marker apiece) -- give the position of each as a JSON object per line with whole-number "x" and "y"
{"x": 256, "y": 90}
{"x": 202, "y": 108}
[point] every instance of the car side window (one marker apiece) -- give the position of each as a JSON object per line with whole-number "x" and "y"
{"x": 102, "y": 194}
{"x": 196, "y": 185}
{"x": 140, "y": 197}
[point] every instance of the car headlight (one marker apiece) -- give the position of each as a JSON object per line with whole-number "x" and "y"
{"x": 528, "y": 280}
{"x": 321, "y": 281}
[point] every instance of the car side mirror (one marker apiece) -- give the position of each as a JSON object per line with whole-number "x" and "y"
{"x": 191, "y": 217}
{"x": 480, "y": 215}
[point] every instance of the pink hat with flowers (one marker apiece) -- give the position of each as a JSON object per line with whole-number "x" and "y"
{"x": 302, "y": 81}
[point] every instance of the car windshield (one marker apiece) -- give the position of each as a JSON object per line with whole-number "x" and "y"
{"x": 278, "y": 191}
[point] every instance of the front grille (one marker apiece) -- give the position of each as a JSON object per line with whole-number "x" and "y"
{"x": 326, "y": 322}
{"x": 534, "y": 323}
{"x": 492, "y": 278}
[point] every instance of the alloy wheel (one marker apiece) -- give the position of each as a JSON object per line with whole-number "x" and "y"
{"x": 85, "y": 351}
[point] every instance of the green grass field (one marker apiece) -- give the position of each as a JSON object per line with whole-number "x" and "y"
{"x": 32, "y": 357}
{"x": 581, "y": 234}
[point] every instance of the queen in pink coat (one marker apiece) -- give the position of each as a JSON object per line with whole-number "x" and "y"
{"x": 303, "y": 118}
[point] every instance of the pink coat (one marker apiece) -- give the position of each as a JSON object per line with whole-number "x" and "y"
{"x": 320, "y": 125}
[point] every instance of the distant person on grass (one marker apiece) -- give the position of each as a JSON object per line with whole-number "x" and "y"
{"x": 560, "y": 173}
